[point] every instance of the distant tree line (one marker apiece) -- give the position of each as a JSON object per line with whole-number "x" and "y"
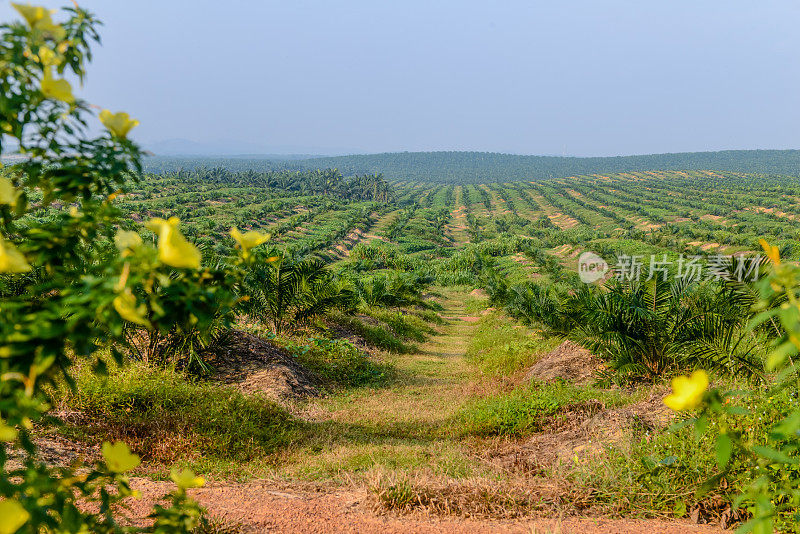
{"x": 486, "y": 167}
{"x": 326, "y": 182}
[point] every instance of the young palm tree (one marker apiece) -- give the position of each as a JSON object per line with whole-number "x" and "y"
{"x": 656, "y": 328}
{"x": 399, "y": 289}
{"x": 287, "y": 291}
{"x": 535, "y": 304}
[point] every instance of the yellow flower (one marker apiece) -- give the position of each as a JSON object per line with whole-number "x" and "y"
{"x": 119, "y": 124}
{"x": 771, "y": 251}
{"x": 7, "y": 433}
{"x": 185, "y": 479}
{"x": 31, "y": 14}
{"x": 38, "y": 18}
{"x": 248, "y": 240}
{"x": 126, "y": 240}
{"x": 119, "y": 457}
{"x": 48, "y": 56}
{"x": 56, "y": 89}
{"x": 11, "y": 259}
{"x": 12, "y": 516}
{"x": 125, "y": 304}
{"x": 8, "y": 193}
{"x": 173, "y": 248}
{"x": 687, "y": 391}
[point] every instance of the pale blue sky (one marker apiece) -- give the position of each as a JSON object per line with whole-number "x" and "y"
{"x": 576, "y": 77}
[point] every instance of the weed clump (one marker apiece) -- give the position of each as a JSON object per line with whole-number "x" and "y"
{"x": 500, "y": 347}
{"x": 339, "y": 362}
{"x": 166, "y": 417}
{"x": 532, "y": 408}
{"x": 476, "y": 497}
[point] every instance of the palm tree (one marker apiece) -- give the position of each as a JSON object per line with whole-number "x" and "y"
{"x": 287, "y": 291}
{"x": 398, "y": 289}
{"x": 656, "y": 328}
{"x": 534, "y": 304}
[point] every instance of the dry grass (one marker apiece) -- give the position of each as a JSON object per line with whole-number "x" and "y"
{"x": 476, "y": 497}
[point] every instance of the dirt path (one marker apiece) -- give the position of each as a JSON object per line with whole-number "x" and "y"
{"x": 362, "y": 435}
{"x": 457, "y": 227}
{"x": 431, "y": 383}
{"x": 375, "y": 233}
{"x": 258, "y": 507}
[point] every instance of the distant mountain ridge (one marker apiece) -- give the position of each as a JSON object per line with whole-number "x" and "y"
{"x": 484, "y": 167}
{"x": 232, "y": 148}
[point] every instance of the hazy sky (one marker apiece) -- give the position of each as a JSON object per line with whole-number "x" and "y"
{"x": 595, "y": 77}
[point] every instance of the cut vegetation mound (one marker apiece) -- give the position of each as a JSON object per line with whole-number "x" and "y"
{"x": 569, "y": 361}
{"x": 585, "y": 430}
{"x": 582, "y": 428}
{"x": 254, "y": 365}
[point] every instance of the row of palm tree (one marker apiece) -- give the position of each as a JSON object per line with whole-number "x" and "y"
{"x": 284, "y": 291}
{"x": 649, "y": 329}
{"x": 326, "y": 182}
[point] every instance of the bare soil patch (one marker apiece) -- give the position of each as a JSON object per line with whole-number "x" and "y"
{"x": 565, "y": 222}
{"x": 773, "y": 211}
{"x": 56, "y": 450}
{"x": 715, "y": 218}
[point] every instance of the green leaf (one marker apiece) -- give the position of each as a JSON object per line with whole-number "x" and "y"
{"x": 775, "y": 456}
{"x": 12, "y": 516}
{"x": 777, "y": 357}
{"x": 708, "y": 485}
{"x": 756, "y": 526}
{"x": 789, "y": 427}
{"x": 761, "y": 317}
{"x": 701, "y": 425}
{"x": 679, "y": 509}
{"x": 669, "y": 460}
{"x": 724, "y": 450}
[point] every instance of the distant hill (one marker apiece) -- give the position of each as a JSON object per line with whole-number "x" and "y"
{"x": 482, "y": 167}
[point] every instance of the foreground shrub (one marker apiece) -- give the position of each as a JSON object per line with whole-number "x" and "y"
{"x": 71, "y": 281}
{"x": 745, "y": 441}
{"x": 677, "y": 472}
